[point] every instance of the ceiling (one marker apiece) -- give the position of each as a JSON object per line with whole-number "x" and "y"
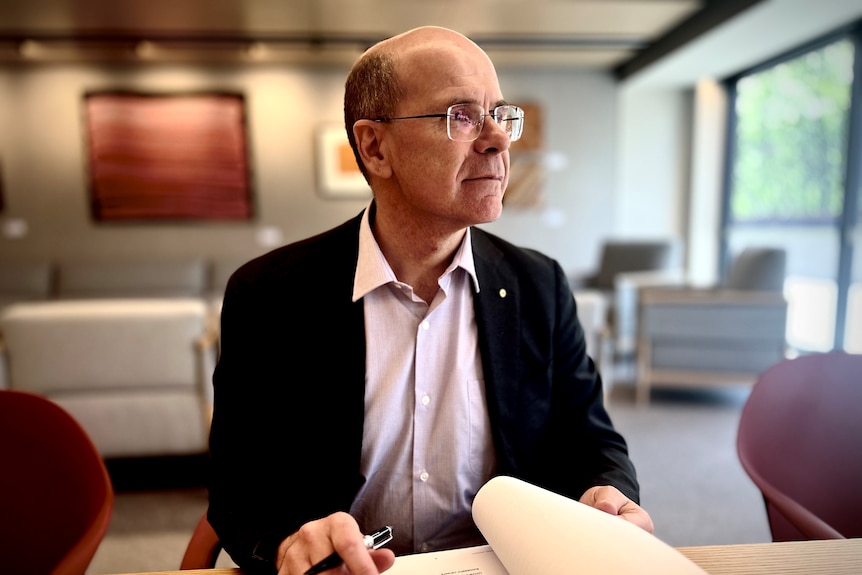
{"x": 671, "y": 40}
{"x": 573, "y": 33}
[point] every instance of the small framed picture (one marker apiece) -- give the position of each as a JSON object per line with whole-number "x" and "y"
{"x": 338, "y": 175}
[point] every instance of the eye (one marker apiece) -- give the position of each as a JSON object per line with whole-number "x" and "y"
{"x": 505, "y": 114}
{"x": 463, "y": 117}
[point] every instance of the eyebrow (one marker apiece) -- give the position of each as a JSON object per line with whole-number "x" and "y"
{"x": 500, "y": 102}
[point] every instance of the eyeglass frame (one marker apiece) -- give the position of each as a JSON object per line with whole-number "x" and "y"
{"x": 480, "y": 126}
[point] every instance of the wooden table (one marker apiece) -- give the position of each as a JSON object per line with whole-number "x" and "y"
{"x": 834, "y": 557}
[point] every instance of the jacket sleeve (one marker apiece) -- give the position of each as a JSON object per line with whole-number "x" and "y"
{"x": 271, "y": 469}
{"x": 244, "y": 441}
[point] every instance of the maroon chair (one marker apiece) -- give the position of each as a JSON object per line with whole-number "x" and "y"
{"x": 56, "y": 497}
{"x": 203, "y": 548}
{"x": 800, "y": 441}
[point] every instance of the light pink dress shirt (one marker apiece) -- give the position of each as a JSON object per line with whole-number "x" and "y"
{"x": 427, "y": 445}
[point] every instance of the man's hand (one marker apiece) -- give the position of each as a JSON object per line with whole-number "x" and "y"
{"x": 611, "y": 500}
{"x": 316, "y": 540}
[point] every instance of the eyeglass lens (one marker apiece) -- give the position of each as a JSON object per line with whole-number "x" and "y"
{"x": 464, "y": 121}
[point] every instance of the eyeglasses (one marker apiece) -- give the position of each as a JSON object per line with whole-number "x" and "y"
{"x": 464, "y": 122}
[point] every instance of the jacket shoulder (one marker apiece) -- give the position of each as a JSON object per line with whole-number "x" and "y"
{"x": 321, "y": 262}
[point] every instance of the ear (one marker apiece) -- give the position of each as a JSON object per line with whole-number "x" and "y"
{"x": 369, "y": 142}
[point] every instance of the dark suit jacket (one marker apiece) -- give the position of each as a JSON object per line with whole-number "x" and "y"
{"x": 289, "y": 387}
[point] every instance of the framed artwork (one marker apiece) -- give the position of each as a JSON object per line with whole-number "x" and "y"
{"x": 176, "y": 156}
{"x": 338, "y": 176}
{"x": 527, "y": 174}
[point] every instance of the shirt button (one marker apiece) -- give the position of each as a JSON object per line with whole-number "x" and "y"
{"x": 424, "y": 548}
{"x": 426, "y": 400}
{"x": 426, "y": 325}
{"x": 423, "y": 476}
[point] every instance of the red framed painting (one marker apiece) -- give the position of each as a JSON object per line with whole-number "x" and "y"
{"x": 167, "y": 156}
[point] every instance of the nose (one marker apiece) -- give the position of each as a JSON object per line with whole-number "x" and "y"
{"x": 492, "y": 138}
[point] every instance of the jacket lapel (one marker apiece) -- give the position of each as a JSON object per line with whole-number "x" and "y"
{"x": 498, "y": 318}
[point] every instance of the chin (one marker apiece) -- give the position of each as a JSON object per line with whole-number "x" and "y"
{"x": 489, "y": 210}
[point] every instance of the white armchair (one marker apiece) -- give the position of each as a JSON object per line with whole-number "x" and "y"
{"x": 592, "y": 313}
{"x": 137, "y": 374}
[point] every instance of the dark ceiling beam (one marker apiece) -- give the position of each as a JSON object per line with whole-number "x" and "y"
{"x": 202, "y": 38}
{"x": 314, "y": 38}
{"x": 575, "y": 42}
{"x": 713, "y": 14}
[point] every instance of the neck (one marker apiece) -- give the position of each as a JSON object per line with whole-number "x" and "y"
{"x": 418, "y": 250}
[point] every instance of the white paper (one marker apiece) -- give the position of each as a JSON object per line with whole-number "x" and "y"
{"x": 531, "y": 531}
{"x": 479, "y": 560}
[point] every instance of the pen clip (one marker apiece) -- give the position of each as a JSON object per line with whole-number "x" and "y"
{"x": 379, "y": 538}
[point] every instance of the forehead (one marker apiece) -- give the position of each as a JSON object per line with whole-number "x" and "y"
{"x": 446, "y": 70}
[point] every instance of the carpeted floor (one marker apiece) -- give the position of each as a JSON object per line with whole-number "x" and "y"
{"x": 684, "y": 448}
{"x": 683, "y": 445}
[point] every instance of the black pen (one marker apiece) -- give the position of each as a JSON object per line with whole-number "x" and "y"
{"x": 374, "y": 541}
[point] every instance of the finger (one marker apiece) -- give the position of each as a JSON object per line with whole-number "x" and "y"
{"x": 635, "y": 514}
{"x": 316, "y": 540}
{"x": 608, "y": 505}
{"x": 605, "y": 498}
{"x": 345, "y": 539}
{"x": 611, "y": 500}
{"x": 383, "y": 559}
{"x": 350, "y": 546}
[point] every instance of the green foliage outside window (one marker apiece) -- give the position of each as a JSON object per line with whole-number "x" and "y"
{"x": 791, "y": 137}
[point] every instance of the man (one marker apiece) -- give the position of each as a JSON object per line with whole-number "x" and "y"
{"x": 381, "y": 372}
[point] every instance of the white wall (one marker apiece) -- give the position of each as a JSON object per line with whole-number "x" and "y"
{"x": 579, "y": 123}
{"x": 671, "y": 166}
{"x": 654, "y": 142}
{"x": 707, "y": 181}
{"x": 42, "y": 150}
{"x": 46, "y": 175}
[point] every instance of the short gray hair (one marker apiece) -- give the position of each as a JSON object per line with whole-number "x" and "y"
{"x": 371, "y": 91}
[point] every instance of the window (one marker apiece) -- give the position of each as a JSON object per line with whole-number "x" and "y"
{"x": 793, "y": 166}
{"x": 791, "y": 136}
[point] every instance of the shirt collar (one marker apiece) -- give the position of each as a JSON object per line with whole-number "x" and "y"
{"x": 373, "y": 271}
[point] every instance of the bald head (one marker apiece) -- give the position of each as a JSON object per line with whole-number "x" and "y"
{"x": 420, "y": 42}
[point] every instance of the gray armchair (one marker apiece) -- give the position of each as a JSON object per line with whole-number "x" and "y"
{"x": 625, "y": 266}
{"x": 692, "y": 337}
{"x": 624, "y": 256}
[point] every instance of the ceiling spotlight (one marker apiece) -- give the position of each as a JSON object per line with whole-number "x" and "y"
{"x": 256, "y": 51}
{"x": 29, "y": 49}
{"x": 145, "y": 49}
